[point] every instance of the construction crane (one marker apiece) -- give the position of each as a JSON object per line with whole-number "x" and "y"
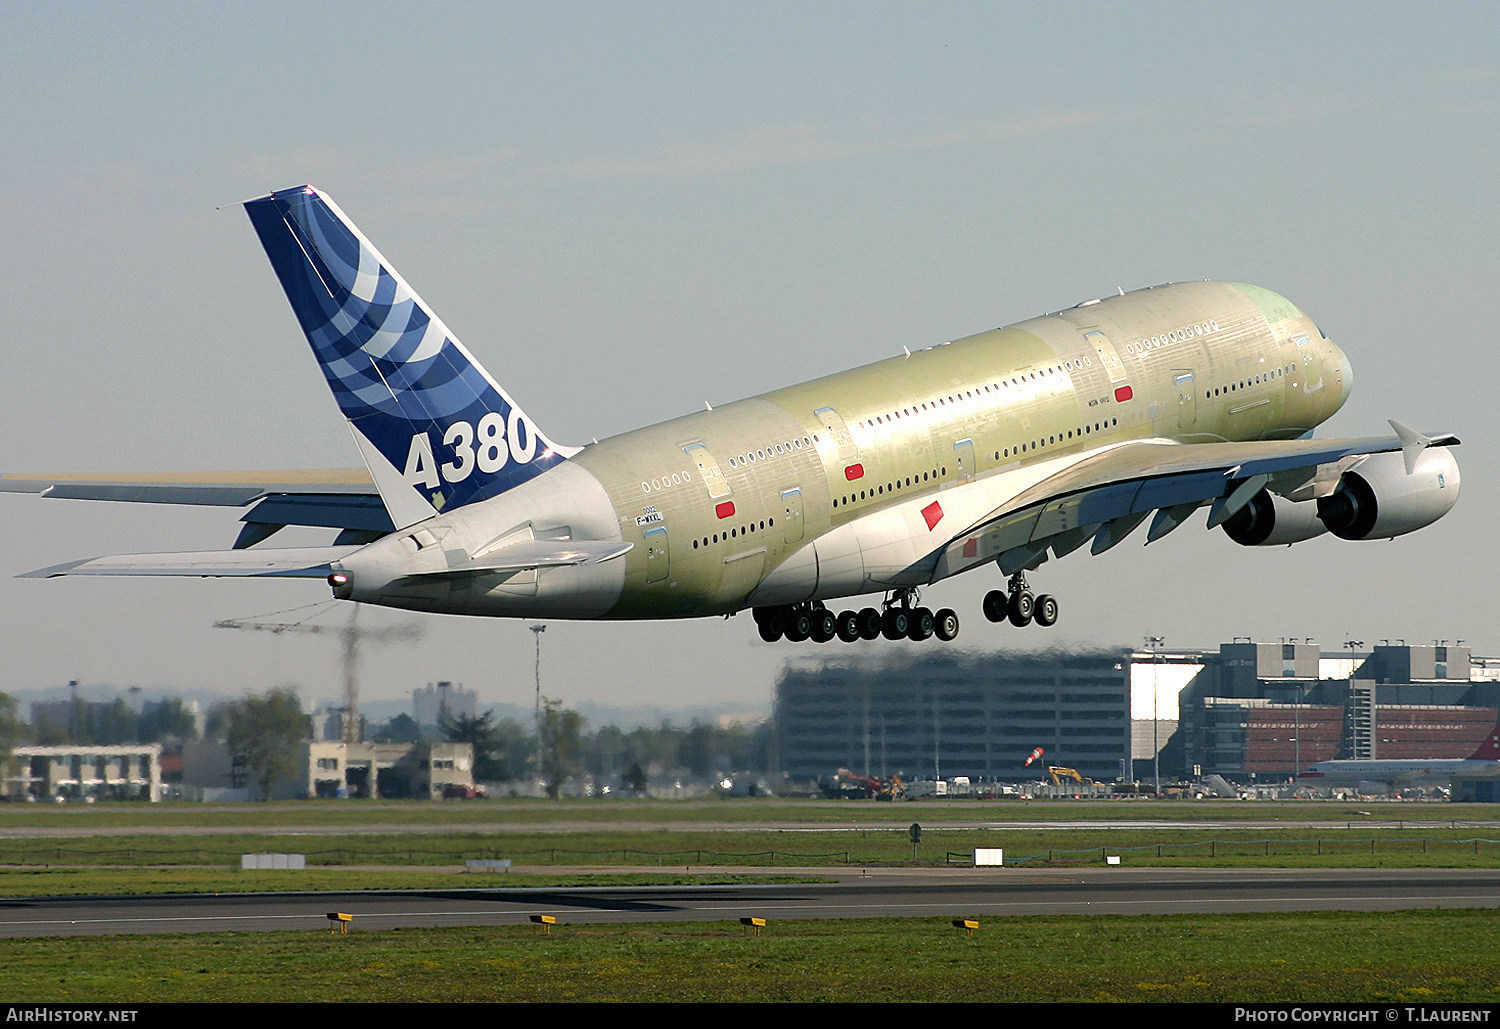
{"x": 352, "y": 636}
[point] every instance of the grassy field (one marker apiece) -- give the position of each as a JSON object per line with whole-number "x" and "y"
{"x": 101, "y": 882}
{"x": 1421, "y": 956}
{"x": 111, "y": 849}
{"x": 1408, "y": 957}
{"x": 456, "y": 814}
{"x": 1361, "y": 846}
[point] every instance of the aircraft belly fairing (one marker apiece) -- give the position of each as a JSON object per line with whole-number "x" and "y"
{"x": 1007, "y": 447}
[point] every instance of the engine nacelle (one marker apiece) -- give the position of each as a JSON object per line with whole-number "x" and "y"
{"x": 1272, "y": 521}
{"x": 1376, "y": 499}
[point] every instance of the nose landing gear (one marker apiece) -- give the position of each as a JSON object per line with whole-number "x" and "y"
{"x": 1018, "y": 606}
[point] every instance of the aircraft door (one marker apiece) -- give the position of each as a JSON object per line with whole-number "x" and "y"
{"x": 963, "y": 453}
{"x": 1107, "y": 354}
{"x": 1187, "y": 397}
{"x": 1312, "y": 370}
{"x": 658, "y": 554}
{"x": 708, "y": 470}
{"x": 791, "y": 512}
{"x": 838, "y": 432}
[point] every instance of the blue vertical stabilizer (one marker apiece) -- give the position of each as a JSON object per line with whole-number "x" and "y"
{"x": 435, "y": 430}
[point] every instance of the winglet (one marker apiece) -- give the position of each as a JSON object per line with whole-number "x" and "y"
{"x": 1413, "y": 443}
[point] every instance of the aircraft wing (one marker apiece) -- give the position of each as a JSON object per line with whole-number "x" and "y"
{"x": 1106, "y": 496}
{"x": 337, "y": 498}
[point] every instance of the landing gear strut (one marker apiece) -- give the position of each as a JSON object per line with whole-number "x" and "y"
{"x": 899, "y": 620}
{"x": 1019, "y": 606}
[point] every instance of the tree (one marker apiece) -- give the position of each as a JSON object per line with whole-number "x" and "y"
{"x": 12, "y": 729}
{"x": 403, "y": 728}
{"x": 479, "y": 734}
{"x": 168, "y": 721}
{"x": 264, "y": 733}
{"x": 562, "y": 743}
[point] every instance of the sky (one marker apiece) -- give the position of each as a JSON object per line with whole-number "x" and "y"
{"x": 627, "y": 209}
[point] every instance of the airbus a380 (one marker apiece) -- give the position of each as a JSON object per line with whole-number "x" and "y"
{"x": 999, "y": 449}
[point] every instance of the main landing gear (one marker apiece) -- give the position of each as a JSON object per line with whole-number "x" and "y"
{"x": 1019, "y": 606}
{"x": 898, "y": 621}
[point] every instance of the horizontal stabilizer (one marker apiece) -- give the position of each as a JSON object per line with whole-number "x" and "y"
{"x": 208, "y": 489}
{"x": 297, "y": 563}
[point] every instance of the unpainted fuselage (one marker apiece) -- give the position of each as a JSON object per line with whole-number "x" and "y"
{"x": 854, "y": 482}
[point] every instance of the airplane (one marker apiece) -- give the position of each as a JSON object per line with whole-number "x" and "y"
{"x": 999, "y": 449}
{"x": 1484, "y": 763}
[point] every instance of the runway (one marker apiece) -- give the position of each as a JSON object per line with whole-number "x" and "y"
{"x": 884, "y": 893}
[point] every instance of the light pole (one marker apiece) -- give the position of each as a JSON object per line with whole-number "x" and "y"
{"x": 1154, "y": 642}
{"x": 537, "y": 631}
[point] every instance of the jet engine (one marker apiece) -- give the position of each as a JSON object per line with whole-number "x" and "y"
{"x": 1272, "y": 521}
{"x": 1377, "y": 499}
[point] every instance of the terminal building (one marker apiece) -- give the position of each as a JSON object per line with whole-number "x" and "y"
{"x": 955, "y": 713}
{"x": 1266, "y": 710}
{"x": 1246, "y": 711}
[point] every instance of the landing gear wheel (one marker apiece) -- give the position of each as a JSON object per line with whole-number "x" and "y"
{"x": 921, "y": 627}
{"x": 945, "y": 625}
{"x": 896, "y": 624}
{"x": 824, "y": 626}
{"x": 1046, "y": 610}
{"x": 1021, "y": 607}
{"x": 996, "y": 605}
{"x": 870, "y": 624}
{"x": 770, "y": 629}
{"x": 848, "y": 626}
{"x": 799, "y": 626}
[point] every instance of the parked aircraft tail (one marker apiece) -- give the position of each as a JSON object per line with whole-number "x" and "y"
{"x": 434, "y": 429}
{"x": 1489, "y": 750}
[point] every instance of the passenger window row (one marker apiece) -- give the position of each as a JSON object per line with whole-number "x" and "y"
{"x": 733, "y": 533}
{"x": 1254, "y": 380}
{"x": 973, "y": 394}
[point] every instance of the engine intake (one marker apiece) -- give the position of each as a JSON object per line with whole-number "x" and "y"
{"x": 1273, "y": 521}
{"x": 1377, "y": 499}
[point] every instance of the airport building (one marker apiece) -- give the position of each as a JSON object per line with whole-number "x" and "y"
{"x": 85, "y": 772}
{"x": 326, "y": 769}
{"x": 950, "y": 713}
{"x": 1269, "y": 710}
{"x": 1245, "y": 711}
